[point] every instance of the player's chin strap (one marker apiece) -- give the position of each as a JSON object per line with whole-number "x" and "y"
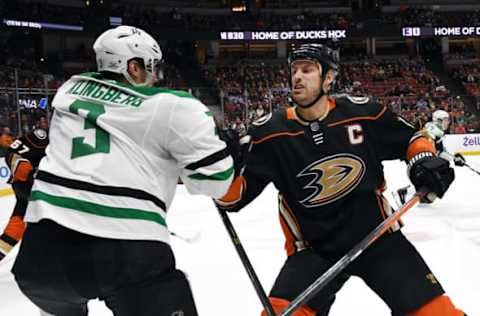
{"x": 356, "y": 251}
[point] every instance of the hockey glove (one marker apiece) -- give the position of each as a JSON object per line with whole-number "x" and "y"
{"x": 238, "y": 147}
{"x": 432, "y": 173}
{"x": 459, "y": 160}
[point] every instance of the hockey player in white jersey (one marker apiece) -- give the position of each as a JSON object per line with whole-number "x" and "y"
{"x": 97, "y": 212}
{"x": 435, "y": 129}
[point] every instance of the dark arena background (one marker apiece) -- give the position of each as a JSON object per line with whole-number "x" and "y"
{"x": 415, "y": 56}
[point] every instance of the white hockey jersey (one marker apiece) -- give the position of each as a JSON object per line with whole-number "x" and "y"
{"x": 438, "y": 135}
{"x": 434, "y": 131}
{"x": 116, "y": 154}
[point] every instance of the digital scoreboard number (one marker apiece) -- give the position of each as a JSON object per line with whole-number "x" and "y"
{"x": 411, "y": 32}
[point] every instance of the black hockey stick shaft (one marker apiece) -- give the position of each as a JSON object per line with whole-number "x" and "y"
{"x": 471, "y": 168}
{"x": 246, "y": 263}
{"x": 356, "y": 251}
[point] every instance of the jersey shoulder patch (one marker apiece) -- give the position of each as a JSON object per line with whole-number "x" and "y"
{"x": 262, "y": 120}
{"x": 41, "y": 134}
{"x": 352, "y": 107}
{"x": 354, "y": 99}
{"x": 268, "y": 126}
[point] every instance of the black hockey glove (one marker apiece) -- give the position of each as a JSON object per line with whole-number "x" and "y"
{"x": 459, "y": 160}
{"x": 432, "y": 173}
{"x": 238, "y": 147}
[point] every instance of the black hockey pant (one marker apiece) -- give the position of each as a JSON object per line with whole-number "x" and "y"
{"x": 60, "y": 270}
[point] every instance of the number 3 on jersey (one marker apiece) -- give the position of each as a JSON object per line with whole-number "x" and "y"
{"x": 102, "y": 138}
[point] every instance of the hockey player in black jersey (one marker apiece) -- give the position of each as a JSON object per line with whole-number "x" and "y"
{"x": 324, "y": 156}
{"x": 22, "y": 157}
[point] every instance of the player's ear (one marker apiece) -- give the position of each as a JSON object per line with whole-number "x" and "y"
{"x": 329, "y": 79}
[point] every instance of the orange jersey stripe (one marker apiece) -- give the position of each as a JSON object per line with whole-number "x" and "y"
{"x": 359, "y": 118}
{"x": 291, "y": 113}
{"x": 289, "y": 239}
{"x": 380, "y": 207}
{"x": 268, "y": 137}
{"x": 290, "y": 213}
{"x": 331, "y": 104}
{"x": 234, "y": 193}
{"x": 291, "y": 229}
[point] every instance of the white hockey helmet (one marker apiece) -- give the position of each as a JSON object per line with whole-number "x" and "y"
{"x": 441, "y": 118}
{"x": 115, "y": 47}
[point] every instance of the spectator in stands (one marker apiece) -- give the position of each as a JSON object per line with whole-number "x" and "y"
{"x": 460, "y": 129}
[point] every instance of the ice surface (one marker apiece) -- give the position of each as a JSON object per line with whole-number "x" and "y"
{"x": 447, "y": 233}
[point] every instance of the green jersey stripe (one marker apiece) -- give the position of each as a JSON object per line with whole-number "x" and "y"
{"x": 219, "y": 176}
{"x": 97, "y": 209}
{"x": 145, "y": 91}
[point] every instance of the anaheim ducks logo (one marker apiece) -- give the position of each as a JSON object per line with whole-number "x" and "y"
{"x": 333, "y": 177}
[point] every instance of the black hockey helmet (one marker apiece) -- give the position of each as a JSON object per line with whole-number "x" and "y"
{"x": 319, "y": 53}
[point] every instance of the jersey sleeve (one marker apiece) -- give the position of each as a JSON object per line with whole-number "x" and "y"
{"x": 398, "y": 139}
{"x": 18, "y": 160}
{"x": 17, "y": 149}
{"x": 394, "y": 135}
{"x": 259, "y": 172}
{"x": 207, "y": 167}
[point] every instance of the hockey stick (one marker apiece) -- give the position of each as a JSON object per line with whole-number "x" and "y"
{"x": 246, "y": 263}
{"x": 246, "y": 141}
{"x": 471, "y": 168}
{"x": 464, "y": 163}
{"x": 356, "y": 251}
{"x": 190, "y": 239}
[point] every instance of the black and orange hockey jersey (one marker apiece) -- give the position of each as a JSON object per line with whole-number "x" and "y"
{"x": 23, "y": 157}
{"x": 328, "y": 172}
{"x": 31, "y": 147}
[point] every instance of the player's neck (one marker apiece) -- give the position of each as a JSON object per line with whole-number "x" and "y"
{"x": 318, "y": 111}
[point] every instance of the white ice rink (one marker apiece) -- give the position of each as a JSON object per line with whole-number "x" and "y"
{"x": 447, "y": 233}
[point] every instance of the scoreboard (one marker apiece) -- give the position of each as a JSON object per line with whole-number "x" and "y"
{"x": 449, "y": 31}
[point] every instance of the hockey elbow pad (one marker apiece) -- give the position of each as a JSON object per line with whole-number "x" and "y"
{"x": 21, "y": 169}
{"x": 231, "y": 200}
